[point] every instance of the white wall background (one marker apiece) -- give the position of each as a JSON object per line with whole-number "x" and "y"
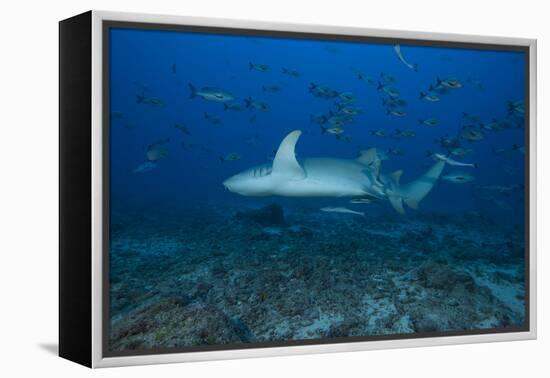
{"x": 28, "y": 185}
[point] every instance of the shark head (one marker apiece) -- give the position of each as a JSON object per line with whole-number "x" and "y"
{"x": 256, "y": 181}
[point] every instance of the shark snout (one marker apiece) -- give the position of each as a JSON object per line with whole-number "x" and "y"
{"x": 229, "y": 184}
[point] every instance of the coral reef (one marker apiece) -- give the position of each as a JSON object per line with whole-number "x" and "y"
{"x": 200, "y": 276}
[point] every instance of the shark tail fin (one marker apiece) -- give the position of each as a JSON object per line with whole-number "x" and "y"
{"x": 413, "y": 192}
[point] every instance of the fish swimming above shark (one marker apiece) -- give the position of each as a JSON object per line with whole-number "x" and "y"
{"x": 331, "y": 177}
{"x": 399, "y": 53}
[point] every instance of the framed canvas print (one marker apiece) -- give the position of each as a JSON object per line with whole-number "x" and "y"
{"x": 236, "y": 189}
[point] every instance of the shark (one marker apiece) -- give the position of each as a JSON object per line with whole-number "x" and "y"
{"x": 331, "y": 177}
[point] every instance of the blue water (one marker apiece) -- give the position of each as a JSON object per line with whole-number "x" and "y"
{"x": 157, "y": 215}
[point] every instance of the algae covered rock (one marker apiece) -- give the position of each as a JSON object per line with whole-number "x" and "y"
{"x": 440, "y": 276}
{"x": 173, "y": 323}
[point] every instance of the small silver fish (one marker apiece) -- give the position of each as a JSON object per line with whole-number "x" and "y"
{"x": 346, "y": 97}
{"x": 342, "y": 210}
{"x": 156, "y": 151}
{"x": 332, "y": 130}
{"x": 449, "y": 83}
{"x": 155, "y": 101}
{"x": 145, "y": 167}
{"x": 233, "y": 156}
{"x": 210, "y": 94}
{"x": 258, "y": 105}
{"x": 472, "y": 134}
{"x": 271, "y": 88}
{"x": 290, "y": 72}
{"x": 428, "y": 122}
{"x": 349, "y": 110}
{"x": 517, "y": 107}
{"x": 431, "y": 97}
{"x": 399, "y": 53}
{"x": 367, "y": 79}
{"x": 322, "y": 91}
{"x": 364, "y": 201}
{"x": 395, "y": 151}
{"x": 258, "y": 67}
{"x": 234, "y": 106}
{"x": 396, "y": 113}
{"x": 459, "y": 151}
{"x": 404, "y": 133}
{"x": 389, "y": 90}
{"x": 393, "y": 102}
{"x": 379, "y": 133}
{"x": 452, "y": 162}
{"x": 387, "y": 78}
{"x": 458, "y": 178}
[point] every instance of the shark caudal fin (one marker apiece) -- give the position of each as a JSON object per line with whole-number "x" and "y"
{"x": 413, "y": 192}
{"x": 285, "y": 163}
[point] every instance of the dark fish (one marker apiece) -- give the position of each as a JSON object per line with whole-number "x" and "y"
{"x": 258, "y": 67}
{"x": 258, "y": 105}
{"x": 322, "y": 91}
{"x": 290, "y": 72}
{"x": 154, "y": 101}
{"x": 212, "y": 119}
{"x": 182, "y": 128}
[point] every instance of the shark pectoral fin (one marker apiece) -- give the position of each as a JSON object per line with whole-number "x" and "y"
{"x": 285, "y": 163}
{"x": 397, "y": 203}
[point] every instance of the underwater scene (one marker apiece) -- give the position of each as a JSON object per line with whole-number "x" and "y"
{"x": 271, "y": 190}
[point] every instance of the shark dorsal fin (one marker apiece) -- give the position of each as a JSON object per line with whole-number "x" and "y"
{"x": 396, "y": 176}
{"x": 285, "y": 163}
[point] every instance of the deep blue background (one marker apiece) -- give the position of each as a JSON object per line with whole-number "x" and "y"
{"x": 193, "y": 177}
